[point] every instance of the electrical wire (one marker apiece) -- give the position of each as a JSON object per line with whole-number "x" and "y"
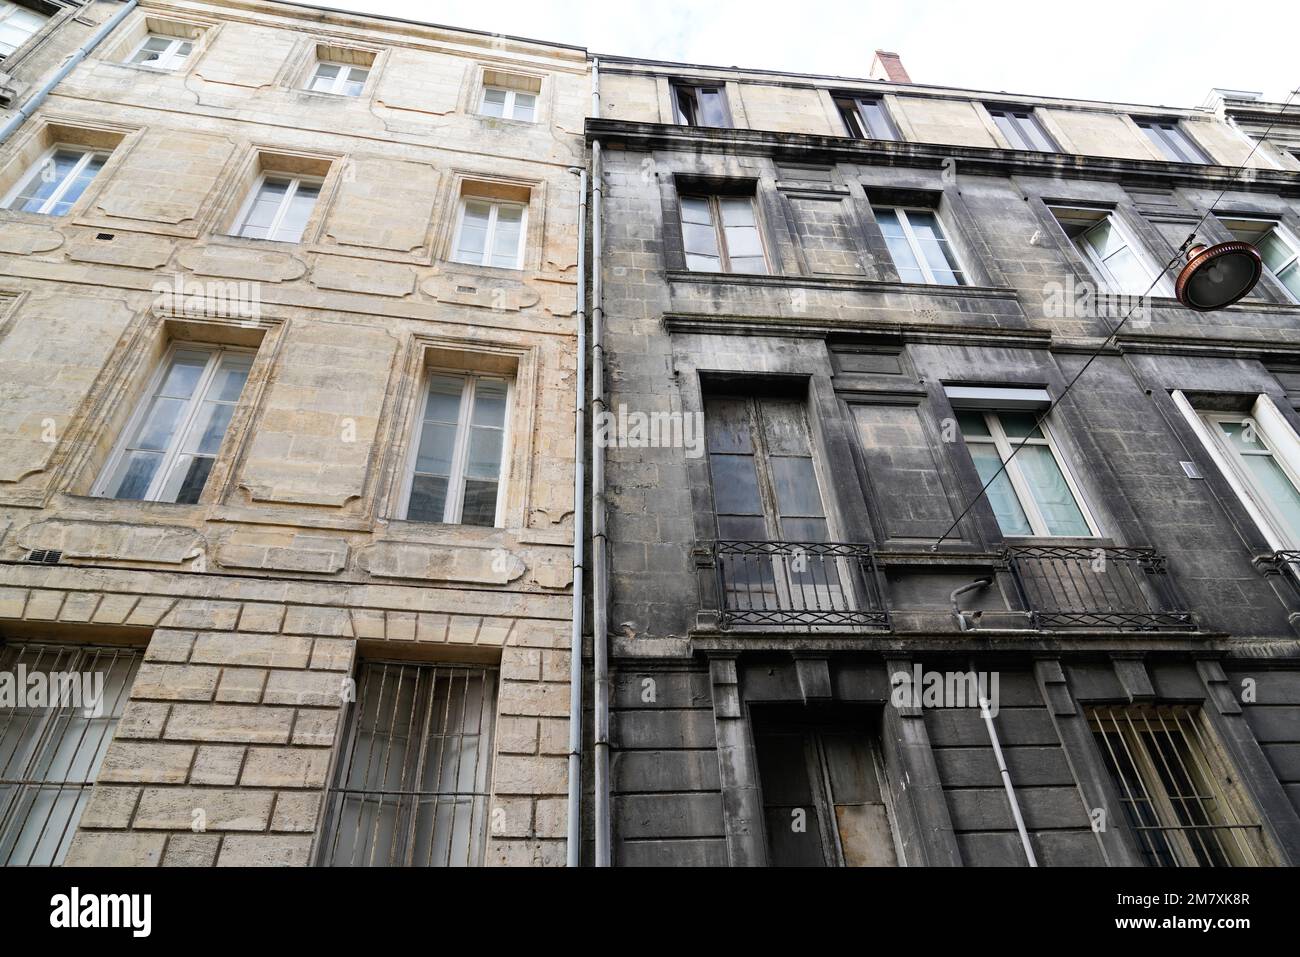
{"x": 1191, "y": 238}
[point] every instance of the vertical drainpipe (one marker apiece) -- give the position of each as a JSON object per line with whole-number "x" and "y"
{"x": 599, "y": 566}
{"x": 77, "y": 55}
{"x": 574, "y": 834}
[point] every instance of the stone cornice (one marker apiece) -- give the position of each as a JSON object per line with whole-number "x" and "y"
{"x": 809, "y": 148}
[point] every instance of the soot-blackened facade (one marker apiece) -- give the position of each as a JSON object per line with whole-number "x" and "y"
{"x": 866, "y": 294}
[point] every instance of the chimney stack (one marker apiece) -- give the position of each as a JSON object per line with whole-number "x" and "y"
{"x": 888, "y": 66}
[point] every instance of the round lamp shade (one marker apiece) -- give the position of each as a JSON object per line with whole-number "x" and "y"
{"x": 1218, "y": 276}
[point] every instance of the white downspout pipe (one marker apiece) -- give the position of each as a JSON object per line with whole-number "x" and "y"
{"x": 599, "y": 567}
{"x": 574, "y": 833}
{"x": 77, "y": 55}
{"x": 1006, "y": 782}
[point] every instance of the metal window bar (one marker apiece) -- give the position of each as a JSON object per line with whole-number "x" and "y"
{"x": 1082, "y": 586}
{"x": 1159, "y": 760}
{"x": 51, "y": 750}
{"x": 412, "y": 787}
{"x": 798, "y": 584}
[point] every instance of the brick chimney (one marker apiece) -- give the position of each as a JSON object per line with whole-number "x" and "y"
{"x": 888, "y": 66}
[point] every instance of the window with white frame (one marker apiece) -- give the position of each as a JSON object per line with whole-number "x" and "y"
{"x": 1112, "y": 254}
{"x": 1277, "y": 247}
{"x": 1022, "y": 129}
{"x": 50, "y": 753}
{"x": 162, "y": 52}
{"x": 1035, "y": 494}
{"x": 700, "y": 105}
{"x": 171, "y": 442}
{"x": 456, "y": 468}
{"x": 17, "y": 25}
{"x": 721, "y": 234}
{"x": 491, "y": 232}
{"x": 866, "y": 118}
{"x": 278, "y": 208}
{"x": 917, "y": 244}
{"x": 1259, "y": 455}
{"x": 56, "y": 181}
{"x": 508, "y": 104}
{"x": 1168, "y": 138}
{"x": 341, "y": 79}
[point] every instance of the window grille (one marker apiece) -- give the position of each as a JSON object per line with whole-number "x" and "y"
{"x": 51, "y": 747}
{"x": 1162, "y": 764}
{"x": 412, "y": 785}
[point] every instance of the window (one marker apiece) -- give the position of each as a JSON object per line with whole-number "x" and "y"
{"x": 457, "y": 465}
{"x": 57, "y": 181}
{"x": 162, "y": 53}
{"x": 341, "y": 79}
{"x": 173, "y": 439}
{"x": 866, "y": 118}
{"x": 508, "y": 104}
{"x": 1276, "y": 246}
{"x": 491, "y": 233}
{"x": 1034, "y": 494}
{"x": 919, "y": 248}
{"x": 50, "y": 752}
{"x": 701, "y": 106}
{"x": 17, "y": 24}
{"x": 1022, "y": 130}
{"x": 278, "y": 208}
{"x": 1259, "y": 452}
{"x": 413, "y": 780}
{"x": 1167, "y": 774}
{"x": 825, "y": 797}
{"x": 1173, "y": 144}
{"x": 1112, "y": 254}
{"x": 720, "y": 234}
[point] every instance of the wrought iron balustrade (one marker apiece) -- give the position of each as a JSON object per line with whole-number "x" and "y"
{"x": 798, "y": 585}
{"x": 1081, "y": 586}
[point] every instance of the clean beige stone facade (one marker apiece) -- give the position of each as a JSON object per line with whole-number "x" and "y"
{"x": 254, "y": 604}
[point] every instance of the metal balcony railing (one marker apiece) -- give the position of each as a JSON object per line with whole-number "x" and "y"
{"x": 798, "y": 585}
{"x": 1081, "y": 586}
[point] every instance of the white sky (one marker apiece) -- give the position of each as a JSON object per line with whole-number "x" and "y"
{"x": 1132, "y": 51}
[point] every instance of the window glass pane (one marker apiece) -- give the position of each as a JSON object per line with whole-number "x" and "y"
{"x": 1274, "y": 251}
{"x": 484, "y": 453}
{"x": 1017, "y": 425}
{"x": 713, "y": 112}
{"x": 210, "y": 427}
{"x": 16, "y": 25}
{"x": 266, "y": 205}
{"x": 356, "y": 80}
{"x": 700, "y": 240}
{"x": 796, "y": 486}
{"x": 525, "y": 106}
{"x": 1127, "y": 272}
{"x": 494, "y": 102}
{"x": 490, "y": 402}
{"x": 727, "y": 425}
{"x": 323, "y": 79}
{"x": 480, "y": 506}
{"x": 1104, "y": 238}
{"x": 505, "y": 241}
{"x": 436, "y": 448}
{"x": 428, "y": 498}
{"x": 152, "y": 51}
{"x": 160, "y": 424}
{"x": 1001, "y": 495}
{"x": 230, "y": 379}
{"x": 295, "y": 218}
{"x": 194, "y": 471}
{"x": 1270, "y": 481}
{"x": 1290, "y": 277}
{"x": 972, "y": 423}
{"x": 182, "y": 52}
{"x": 80, "y": 181}
{"x": 1051, "y": 493}
{"x": 878, "y": 124}
{"x": 45, "y": 180}
{"x": 695, "y": 209}
{"x": 735, "y": 485}
{"x": 134, "y": 475}
{"x": 900, "y": 251}
{"x": 444, "y": 399}
{"x": 183, "y": 375}
{"x": 473, "y": 231}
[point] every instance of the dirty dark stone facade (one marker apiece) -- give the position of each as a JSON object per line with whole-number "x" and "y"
{"x": 874, "y": 362}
